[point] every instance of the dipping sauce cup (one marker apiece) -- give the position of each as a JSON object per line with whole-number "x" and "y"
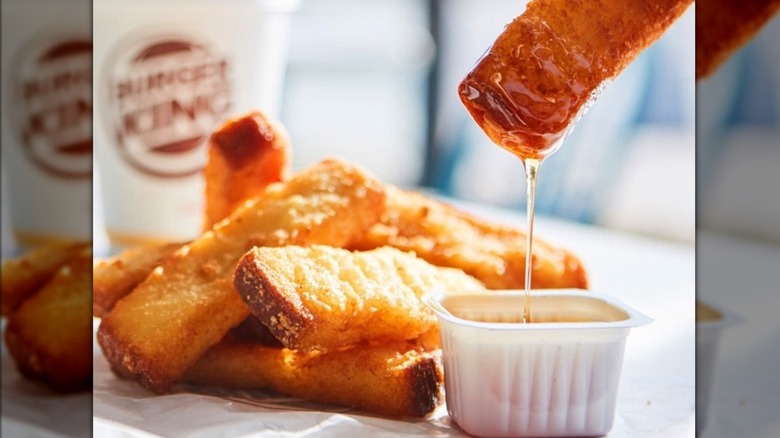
{"x": 710, "y": 323}
{"x": 555, "y": 376}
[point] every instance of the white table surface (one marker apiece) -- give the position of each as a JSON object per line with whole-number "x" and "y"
{"x": 656, "y": 395}
{"x": 740, "y": 276}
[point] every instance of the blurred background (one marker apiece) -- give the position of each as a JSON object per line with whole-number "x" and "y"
{"x": 738, "y": 240}
{"x": 375, "y": 82}
{"x": 738, "y": 116}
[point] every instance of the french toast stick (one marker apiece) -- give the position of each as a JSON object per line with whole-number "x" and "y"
{"x": 492, "y": 253}
{"x": 245, "y": 155}
{"x": 543, "y": 69}
{"x": 325, "y": 298}
{"x": 397, "y": 379}
{"x": 723, "y": 26}
{"x": 117, "y": 276}
{"x": 50, "y": 335}
{"x": 188, "y": 304}
{"x": 23, "y": 276}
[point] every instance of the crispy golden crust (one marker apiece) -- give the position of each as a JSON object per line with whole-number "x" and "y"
{"x": 494, "y": 254}
{"x": 398, "y": 379}
{"x": 722, "y": 26}
{"x": 541, "y": 71}
{"x": 324, "y": 298}
{"x": 117, "y": 276}
{"x": 23, "y": 276}
{"x": 188, "y": 304}
{"x": 245, "y": 155}
{"x": 50, "y": 335}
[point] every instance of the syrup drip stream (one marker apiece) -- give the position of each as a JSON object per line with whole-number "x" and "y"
{"x": 531, "y": 170}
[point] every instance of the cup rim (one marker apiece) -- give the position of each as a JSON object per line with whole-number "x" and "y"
{"x": 635, "y": 318}
{"x": 728, "y": 319}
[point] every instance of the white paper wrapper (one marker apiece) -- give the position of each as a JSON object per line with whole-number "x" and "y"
{"x": 123, "y": 408}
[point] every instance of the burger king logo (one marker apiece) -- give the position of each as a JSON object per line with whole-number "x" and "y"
{"x": 165, "y": 97}
{"x": 52, "y": 89}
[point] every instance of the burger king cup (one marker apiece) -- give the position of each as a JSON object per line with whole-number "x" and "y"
{"x": 47, "y": 120}
{"x": 555, "y": 376}
{"x": 167, "y": 73}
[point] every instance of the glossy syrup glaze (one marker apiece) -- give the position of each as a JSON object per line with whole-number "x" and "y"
{"x": 529, "y": 87}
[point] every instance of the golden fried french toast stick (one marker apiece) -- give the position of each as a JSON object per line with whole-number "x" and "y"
{"x": 543, "y": 68}
{"x": 117, "y": 276}
{"x": 245, "y": 155}
{"x": 50, "y": 335}
{"x": 188, "y": 304}
{"x": 324, "y": 298}
{"x": 722, "y": 26}
{"x": 492, "y": 253}
{"x": 23, "y": 276}
{"x": 398, "y": 379}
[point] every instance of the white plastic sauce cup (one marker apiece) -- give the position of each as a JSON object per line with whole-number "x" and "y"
{"x": 710, "y": 322}
{"x": 555, "y": 376}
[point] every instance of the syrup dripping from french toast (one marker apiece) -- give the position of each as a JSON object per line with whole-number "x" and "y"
{"x": 526, "y": 99}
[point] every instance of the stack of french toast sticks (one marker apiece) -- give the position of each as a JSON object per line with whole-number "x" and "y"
{"x": 307, "y": 283}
